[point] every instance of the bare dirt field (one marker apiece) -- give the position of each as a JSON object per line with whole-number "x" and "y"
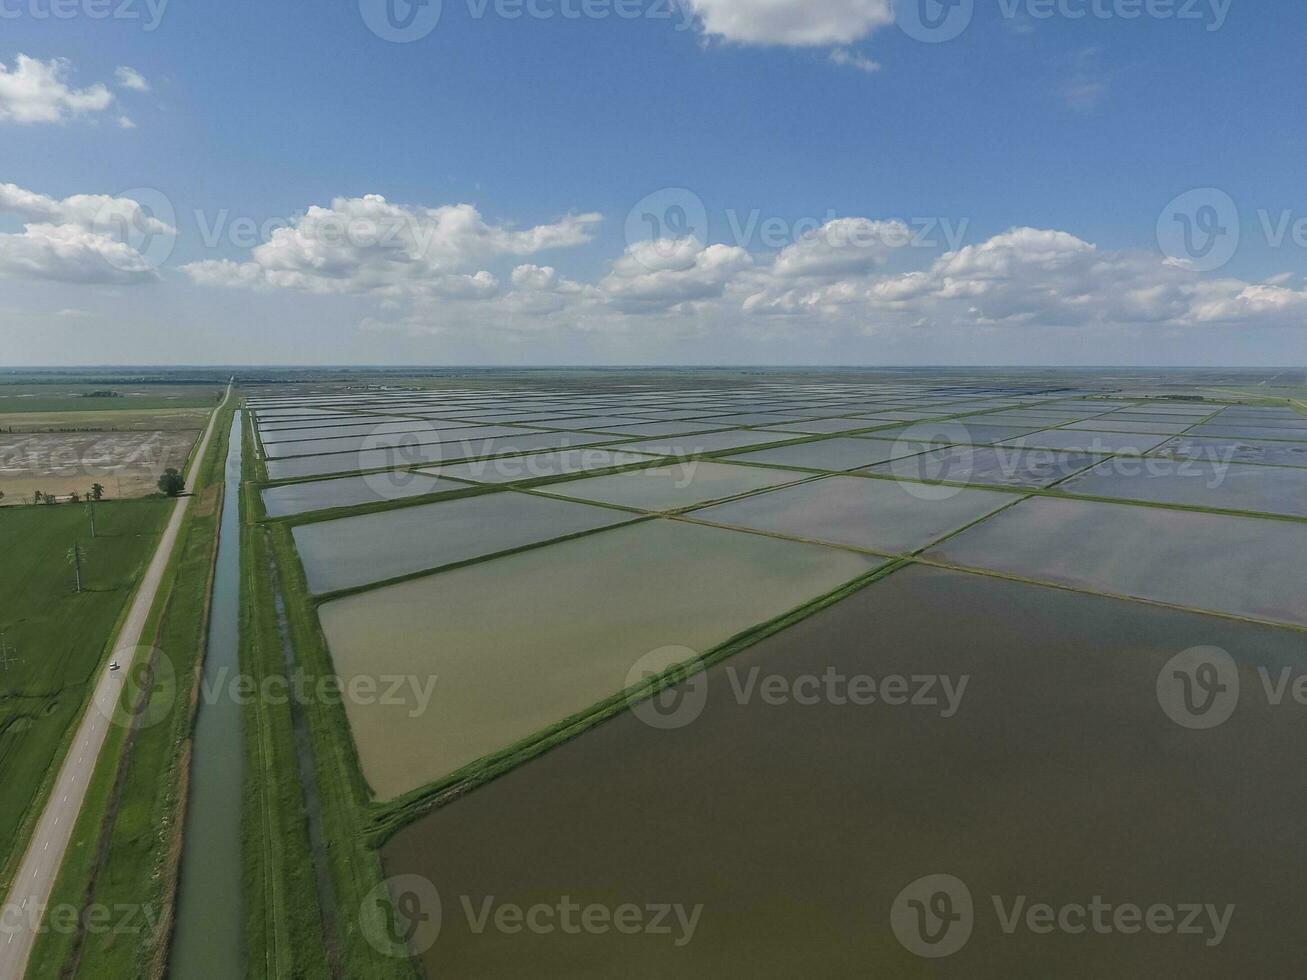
{"x": 127, "y": 463}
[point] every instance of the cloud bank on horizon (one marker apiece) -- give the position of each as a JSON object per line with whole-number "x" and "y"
{"x": 426, "y": 269}
{"x": 426, "y": 277}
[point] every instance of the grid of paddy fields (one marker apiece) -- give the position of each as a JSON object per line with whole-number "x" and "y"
{"x": 777, "y": 651}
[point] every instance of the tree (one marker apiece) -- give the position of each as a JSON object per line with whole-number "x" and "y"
{"x": 97, "y": 491}
{"x": 172, "y": 482}
{"x": 36, "y": 496}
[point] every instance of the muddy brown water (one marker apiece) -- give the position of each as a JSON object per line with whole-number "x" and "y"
{"x": 795, "y": 826}
{"x": 476, "y": 658}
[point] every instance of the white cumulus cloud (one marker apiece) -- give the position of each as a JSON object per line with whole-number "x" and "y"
{"x": 426, "y": 268}
{"x": 841, "y": 247}
{"x": 85, "y": 238}
{"x": 88, "y": 211}
{"x": 368, "y": 245}
{"x": 854, "y": 59}
{"x": 1029, "y": 278}
{"x": 130, "y": 78}
{"x": 797, "y": 23}
{"x": 656, "y": 275}
{"x": 36, "y": 91}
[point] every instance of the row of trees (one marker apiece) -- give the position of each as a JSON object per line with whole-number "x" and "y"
{"x": 41, "y": 497}
{"x": 171, "y": 483}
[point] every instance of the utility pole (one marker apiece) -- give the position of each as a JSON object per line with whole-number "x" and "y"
{"x": 75, "y": 559}
{"x": 90, "y": 509}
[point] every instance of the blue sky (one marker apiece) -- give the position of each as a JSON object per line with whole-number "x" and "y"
{"x": 1077, "y": 133}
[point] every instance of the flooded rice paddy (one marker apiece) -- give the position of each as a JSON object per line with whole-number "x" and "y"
{"x": 993, "y": 707}
{"x": 353, "y": 551}
{"x": 784, "y": 829}
{"x": 352, "y": 491}
{"x": 1243, "y": 566}
{"x": 376, "y": 426}
{"x": 537, "y": 466}
{"x": 961, "y": 431}
{"x": 997, "y": 466}
{"x": 397, "y": 441}
{"x": 1235, "y": 450}
{"x": 841, "y": 453}
{"x": 673, "y": 487}
{"x": 712, "y": 442}
{"x": 879, "y": 515}
{"x": 1197, "y": 483}
{"x": 569, "y": 623}
{"x": 1288, "y": 433}
{"x": 460, "y": 447}
{"x": 1114, "y": 424}
{"x": 825, "y": 426}
{"x": 1090, "y": 441}
{"x": 646, "y": 429}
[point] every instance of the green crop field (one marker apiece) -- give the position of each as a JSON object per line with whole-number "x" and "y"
{"x": 24, "y": 394}
{"x": 12, "y": 403}
{"x": 55, "y": 639}
{"x": 101, "y": 419}
{"x": 127, "y": 845}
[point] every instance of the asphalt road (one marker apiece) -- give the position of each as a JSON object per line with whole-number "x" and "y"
{"x": 25, "y": 907}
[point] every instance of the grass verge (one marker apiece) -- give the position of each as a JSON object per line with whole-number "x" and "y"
{"x": 56, "y": 640}
{"x": 118, "y": 878}
{"x": 284, "y": 928}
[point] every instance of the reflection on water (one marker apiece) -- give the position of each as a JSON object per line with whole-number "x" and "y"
{"x": 350, "y": 491}
{"x": 1243, "y": 565}
{"x": 354, "y": 551}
